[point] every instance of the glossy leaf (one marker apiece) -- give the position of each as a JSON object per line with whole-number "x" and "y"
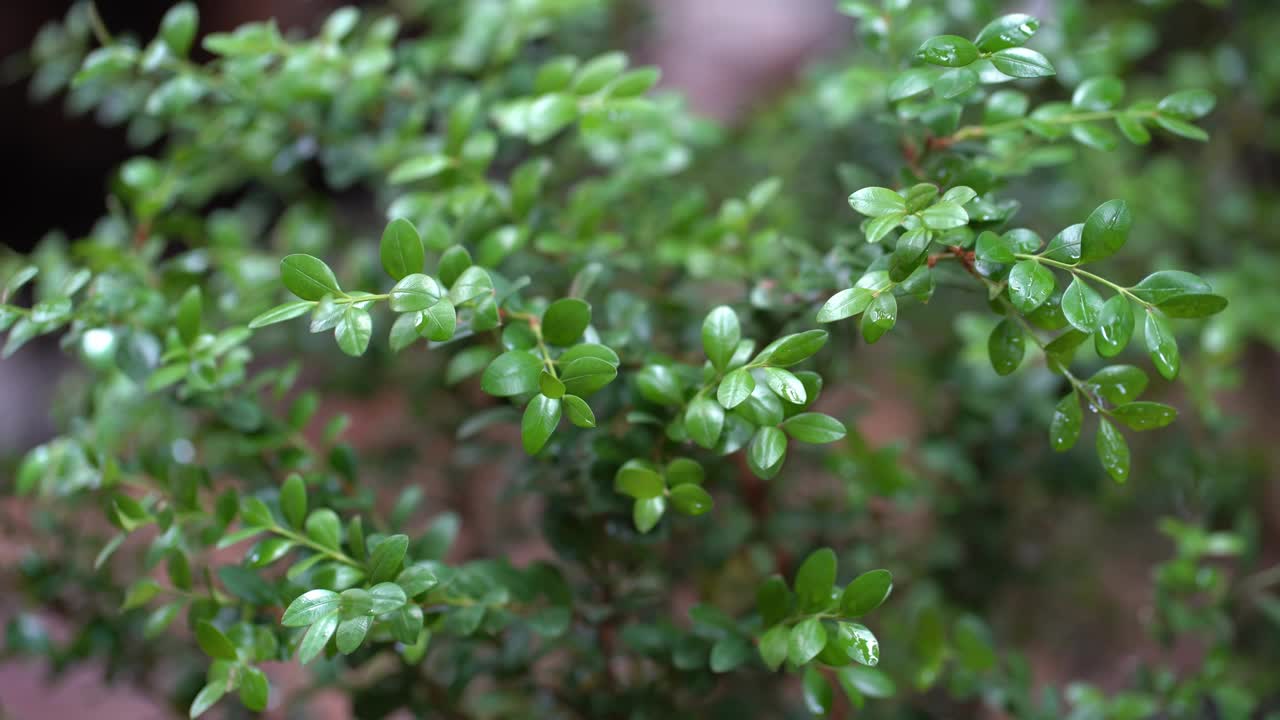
{"x": 308, "y": 277}
{"x": 1113, "y": 451}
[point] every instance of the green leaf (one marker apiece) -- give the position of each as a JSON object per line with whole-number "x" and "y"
{"x": 293, "y": 500}
{"x": 857, "y": 642}
{"x": 1162, "y": 345}
{"x": 944, "y": 216}
{"x": 541, "y": 417}
{"x": 773, "y": 646}
{"x": 417, "y": 579}
{"x": 785, "y": 385}
{"x": 586, "y": 375}
{"x": 1113, "y": 451}
{"x": 140, "y": 593}
{"x": 1007, "y": 31}
{"x": 550, "y": 385}
{"x": 816, "y": 692}
{"x": 1081, "y": 306}
{"x": 877, "y": 201}
{"x": 806, "y": 640}
{"x": 994, "y": 248}
{"x": 324, "y": 527}
{"x": 1145, "y": 415}
{"x": 579, "y": 411}
{"x": 773, "y": 600}
{"x": 647, "y": 512}
{"x": 877, "y": 228}
{"x": 1094, "y": 136}
{"x": 1118, "y": 384}
{"x": 766, "y": 452}
{"x": 1193, "y": 305}
{"x": 866, "y": 592}
{"x": 1006, "y": 346}
{"x": 640, "y": 480}
{"x": 178, "y": 27}
{"x": 1133, "y": 129}
{"x": 735, "y": 388}
{"x": 845, "y": 303}
{"x": 1064, "y": 427}
{"x": 317, "y": 637}
{"x": 1021, "y": 63}
{"x": 254, "y": 689}
{"x": 550, "y": 114}
{"x": 415, "y": 292}
{"x": 1106, "y": 231}
{"x": 512, "y": 373}
{"x": 1188, "y": 104}
{"x": 453, "y": 262}
{"x": 866, "y": 681}
{"x": 792, "y": 349}
{"x": 351, "y": 632}
{"x": 691, "y": 499}
{"x": 657, "y": 383}
{"x": 401, "y": 250}
{"x": 634, "y": 83}
{"x": 1165, "y": 285}
{"x": 474, "y": 282}
{"x": 880, "y": 317}
{"x": 1115, "y": 326}
{"x": 438, "y": 322}
{"x": 387, "y": 596}
{"x": 419, "y": 167}
{"x": 907, "y": 84}
{"x": 948, "y": 51}
{"x": 704, "y": 420}
{"x": 815, "y": 580}
{"x": 213, "y": 642}
{"x": 728, "y": 653}
{"x": 187, "y": 317}
{"x": 1181, "y": 128}
{"x": 1098, "y": 94}
{"x": 1030, "y": 284}
{"x": 956, "y": 82}
{"x": 354, "y": 330}
{"x": 387, "y": 557}
{"x": 267, "y": 551}
{"x": 814, "y": 428}
{"x": 208, "y": 696}
{"x": 281, "y": 313}
{"x": 565, "y": 320}
{"x": 308, "y": 277}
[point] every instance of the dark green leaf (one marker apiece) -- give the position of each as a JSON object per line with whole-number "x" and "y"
{"x": 187, "y": 317}
{"x": 728, "y": 653}
{"x": 792, "y": 349}
{"x": 565, "y": 320}
{"x": 816, "y": 692}
{"x": 1119, "y": 384}
{"x": 351, "y": 632}
{"x": 1115, "y": 326}
{"x": 1181, "y": 128}
{"x": 856, "y": 642}
{"x": 293, "y": 500}
{"x": 994, "y": 248}
{"x": 453, "y": 263}
{"x": 766, "y": 452}
{"x": 1162, "y": 345}
{"x": 1064, "y": 428}
{"x": 773, "y": 646}
{"x": 1193, "y": 305}
{"x": 254, "y": 689}
{"x": 1007, "y": 31}
{"x": 1144, "y": 415}
{"x": 948, "y": 51}
{"x": 586, "y": 375}
{"x": 866, "y": 592}
{"x": 704, "y": 420}
{"x": 815, "y": 580}
{"x": 657, "y": 383}
{"x": 1006, "y": 346}
{"x": 214, "y": 642}
{"x": 541, "y": 417}
{"x": 1030, "y": 284}
{"x": 385, "y": 561}
{"x": 1081, "y": 305}
{"x": 1106, "y": 231}
{"x": 1165, "y": 285}
{"x": 1113, "y": 451}
{"x": 324, "y": 527}
{"x": 735, "y": 388}
{"x": 880, "y": 317}
{"x": 691, "y": 499}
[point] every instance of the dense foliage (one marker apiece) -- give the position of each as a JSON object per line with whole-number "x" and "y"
{"x": 516, "y": 237}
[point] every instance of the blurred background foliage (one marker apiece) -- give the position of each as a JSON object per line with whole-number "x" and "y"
{"x": 1028, "y": 584}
